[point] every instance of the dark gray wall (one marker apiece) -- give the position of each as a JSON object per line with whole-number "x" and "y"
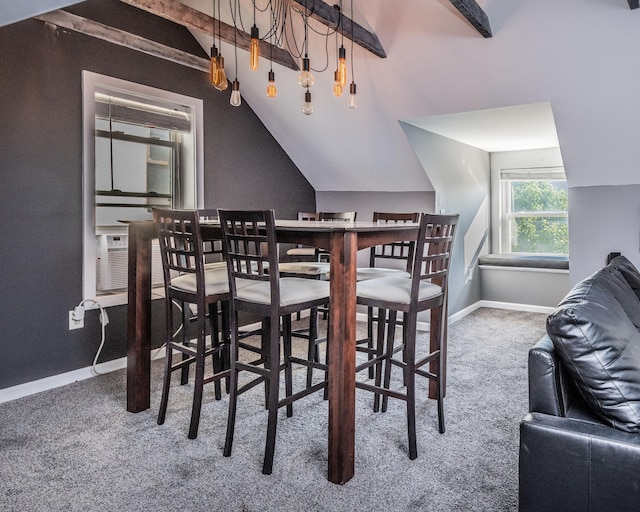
{"x": 41, "y": 178}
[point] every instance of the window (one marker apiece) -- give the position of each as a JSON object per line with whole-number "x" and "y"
{"x": 534, "y": 206}
{"x": 141, "y": 150}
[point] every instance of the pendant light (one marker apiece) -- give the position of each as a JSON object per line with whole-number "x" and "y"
{"x": 220, "y": 81}
{"x": 342, "y": 52}
{"x": 337, "y": 86}
{"x": 353, "y": 103}
{"x": 352, "y": 96}
{"x": 307, "y": 107}
{"x": 271, "y": 87}
{"x": 342, "y": 66}
{"x": 305, "y": 78}
{"x": 214, "y": 49}
{"x": 236, "y": 99}
{"x": 255, "y": 39}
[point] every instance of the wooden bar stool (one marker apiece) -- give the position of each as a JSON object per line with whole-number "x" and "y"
{"x": 256, "y": 287}
{"x": 186, "y": 282}
{"x": 425, "y": 290}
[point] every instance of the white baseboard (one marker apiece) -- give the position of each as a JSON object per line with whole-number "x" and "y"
{"x": 515, "y": 307}
{"x": 55, "y": 381}
{"x": 36, "y": 386}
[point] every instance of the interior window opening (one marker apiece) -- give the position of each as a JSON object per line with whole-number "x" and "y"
{"x": 534, "y": 212}
{"x": 141, "y": 145}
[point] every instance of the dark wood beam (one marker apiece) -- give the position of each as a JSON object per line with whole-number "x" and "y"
{"x": 634, "y": 4}
{"x": 182, "y": 14}
{"x": 330, "y": 16}
{"x": 120, "y": 37}
{"x": 475, "y": 15}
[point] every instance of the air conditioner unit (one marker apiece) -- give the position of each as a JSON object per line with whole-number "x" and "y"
{"x": 112, "y": 263}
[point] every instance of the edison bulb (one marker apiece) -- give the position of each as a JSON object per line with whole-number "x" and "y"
{"x": 352, "y": 96}
{"x": 220, "y": 81}
{"x": 214, "y": 64}
{"x": 255, "y": 48}
{"x": 337, "y": 87}
{"x": 342, "y": 66}
{"x": 236, "y": 99}
{"x": 305, "y": 78}
{"x": 271, "y": 88}
{"x": 307, "y": 107}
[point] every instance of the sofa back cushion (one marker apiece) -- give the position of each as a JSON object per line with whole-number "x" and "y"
{"x": 594, "y": 331}
{"x": 628, "y": 271}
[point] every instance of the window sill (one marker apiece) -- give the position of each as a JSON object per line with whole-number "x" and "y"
{"x": 528, "y": 262}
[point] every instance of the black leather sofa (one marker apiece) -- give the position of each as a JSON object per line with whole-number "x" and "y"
{"x": 580, "y": 442}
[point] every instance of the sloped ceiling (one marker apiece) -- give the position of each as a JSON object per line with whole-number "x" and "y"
{"x": 438, "y": 68}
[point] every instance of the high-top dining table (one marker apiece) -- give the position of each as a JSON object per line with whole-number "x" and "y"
{"x": 342, "y": 240}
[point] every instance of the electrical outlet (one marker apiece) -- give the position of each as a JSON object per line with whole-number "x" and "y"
{"x": 75, "y": 323}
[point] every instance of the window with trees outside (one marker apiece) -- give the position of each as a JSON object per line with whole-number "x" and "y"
{"x": 534, "y": 211}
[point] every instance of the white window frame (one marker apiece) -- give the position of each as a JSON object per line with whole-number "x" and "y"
{"x": 90, "y": 83}
{"x": 505, "y": 177}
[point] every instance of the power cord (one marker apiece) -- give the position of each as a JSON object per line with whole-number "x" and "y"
{"x": 78, "y": 314}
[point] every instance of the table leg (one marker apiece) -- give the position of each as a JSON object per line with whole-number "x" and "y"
{"x": 139, "y": 321}
{"x": 342, "y": 356}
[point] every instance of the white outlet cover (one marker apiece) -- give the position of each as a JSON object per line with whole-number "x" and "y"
{"x": 75, "y": 324}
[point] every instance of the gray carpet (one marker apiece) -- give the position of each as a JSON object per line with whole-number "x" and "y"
{"x": 76, "y": 448}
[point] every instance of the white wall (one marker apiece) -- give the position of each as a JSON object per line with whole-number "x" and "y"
{"x": 602, "y": 220}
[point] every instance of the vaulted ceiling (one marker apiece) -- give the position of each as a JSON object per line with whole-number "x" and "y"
{"x": 426, "y": 62}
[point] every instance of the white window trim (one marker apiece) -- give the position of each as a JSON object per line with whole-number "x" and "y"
{"x": 91, "y": 81}
{"x": 536, "y": 173}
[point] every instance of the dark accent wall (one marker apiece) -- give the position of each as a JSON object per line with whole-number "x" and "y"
{"x": 41, "y": 179}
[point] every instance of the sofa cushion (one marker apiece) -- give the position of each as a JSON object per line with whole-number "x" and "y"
{"x": 599, "y": 345}
{"x": 628, "y": 271}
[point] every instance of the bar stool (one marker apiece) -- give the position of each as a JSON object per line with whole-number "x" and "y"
{"x": 251, "y": 253}
{"x": 387, "y": 260}
{"x": 187, "y": 282}
{"x": 426, "y": 289}
{"x": 318, "y": 269}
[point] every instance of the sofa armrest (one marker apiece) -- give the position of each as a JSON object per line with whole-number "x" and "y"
{"x": 573, "y": 465}
{"x": 544, "y": 379}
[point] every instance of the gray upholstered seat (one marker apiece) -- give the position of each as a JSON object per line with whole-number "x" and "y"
{"x": 366, "y": 273}
{"x": 396, "y": 290}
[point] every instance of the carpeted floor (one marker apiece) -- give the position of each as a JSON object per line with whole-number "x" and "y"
{"x": 76, "y": 448}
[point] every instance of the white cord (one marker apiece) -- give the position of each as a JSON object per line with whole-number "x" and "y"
{"x": 104, "y": 320}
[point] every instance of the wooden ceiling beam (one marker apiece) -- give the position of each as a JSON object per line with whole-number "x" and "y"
{"x": 92, "y": 28}
{"x": 634, "y": 4}
{"x": 330, "y": 16}
{"x": 182, "y": 14}
{"x": 476, "y": 16}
